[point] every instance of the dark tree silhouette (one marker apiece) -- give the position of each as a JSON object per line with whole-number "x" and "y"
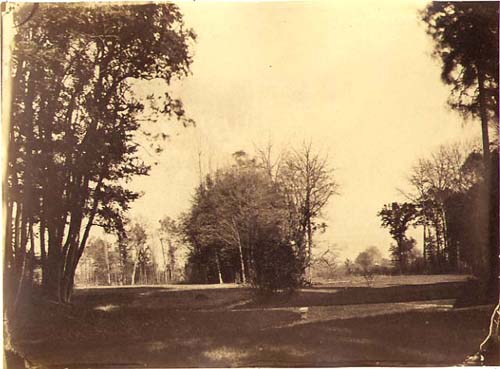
{"x": 465, "y": 37}
{"x": 238, "y": 226}
{"x": 398, "y": 217}
{"x": 466, "y": 41}
{"x": 75, "y": 127}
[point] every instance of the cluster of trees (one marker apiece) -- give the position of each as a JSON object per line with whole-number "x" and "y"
{"x": 465, "y": 36}
{"x": 254, "y": 221}
{"x": 75, "y": 128}
{"x": 452, "y": 195}
{"x": 448, "y": 201}
{"x": 99, "y": 265}
{"x": 455, "y": 192}
{"x": 135, "y": 258}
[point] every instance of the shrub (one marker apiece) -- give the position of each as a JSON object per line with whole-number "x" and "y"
{"x": 276, "y": 268}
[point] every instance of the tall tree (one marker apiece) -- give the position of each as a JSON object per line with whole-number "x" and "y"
{"x": 137, "y": 238}
{"x": 75, "y": 125}
{"x": 309, "y": 185}
{"x": 466, "y": 40}
{"x": 170, "y": 233}
{"x": 434, "y": 180}
{"x": 465, "y": 35}
{"x": 398, "y": 217}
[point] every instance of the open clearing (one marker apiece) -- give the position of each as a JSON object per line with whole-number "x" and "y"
{"x": 407, "y": 320}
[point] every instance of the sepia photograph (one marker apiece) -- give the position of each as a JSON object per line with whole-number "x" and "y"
{"x": 202, "y": 184}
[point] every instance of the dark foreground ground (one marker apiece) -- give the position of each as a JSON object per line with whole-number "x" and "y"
{"x": 399, "y": 321}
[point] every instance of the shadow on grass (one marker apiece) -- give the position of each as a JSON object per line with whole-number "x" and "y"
{"x": 166, "y": 327}
{"x": 321, "y": 296}
{"x": 160, "y": 298}
{"x": 200, "y": 298}
{"x": 265, "y": 338}
{"x": 410, "y": 338}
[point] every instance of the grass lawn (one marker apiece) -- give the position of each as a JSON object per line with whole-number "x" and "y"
{"x": 407, "y": 320}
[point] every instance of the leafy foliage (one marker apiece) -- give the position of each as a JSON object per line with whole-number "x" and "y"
{"x": 253, "y": 221}
{"x": 368, "y": 261}
{"x": 466, "y": 40}
{"x": 170, "y": 234}
{"x": 75, "y": 131}
{"x": 398, "y": 217}
{"x": 238, "y": 225}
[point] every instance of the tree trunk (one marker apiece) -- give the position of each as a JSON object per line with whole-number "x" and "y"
{"x": 165, "y": 266}
{"x": 425, "y": 243}
{"x": 132, "y": 282}
{"x": 67, "y": 285}
{"x": 55, "y": 229}
{"x": 9, "y": 257}
{"x": 218, "y": 267}
{"x": 437, "y": 228}
{"x": 43, "y": 251}
{"x": 401, "y": 255}
{"x": 52, "y": 279}
{"x": 240, "y": 250}
{"x": 491, "y": 252}
{"x": 20, "y": 285}
{"x": 446, "y": 246}
{"x": 17, "y": 236}
{"x": 309, "y": 250}
{"x": 32, "y": 256}
{"x": 106, "y": 260}
{"x": 483, "y": 114}
{"x": 74, "y": 247}
{"x": 242, "y": 263}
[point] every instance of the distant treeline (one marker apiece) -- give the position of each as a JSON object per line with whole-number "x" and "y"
{"x": 135, "y": 258}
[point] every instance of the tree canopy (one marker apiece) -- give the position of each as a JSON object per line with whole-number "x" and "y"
{"x": 466, "y": 40}
{"x": 465, "y": 35}
{"x": 253, "y": 221}
{"x": 397, "y": 218}
{"x": 76, "y": 130}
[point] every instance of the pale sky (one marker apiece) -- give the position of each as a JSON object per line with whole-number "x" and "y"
{"x": 354, "y": 78}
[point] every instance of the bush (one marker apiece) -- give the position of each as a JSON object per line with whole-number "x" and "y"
{"x": 276, "y": 268}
